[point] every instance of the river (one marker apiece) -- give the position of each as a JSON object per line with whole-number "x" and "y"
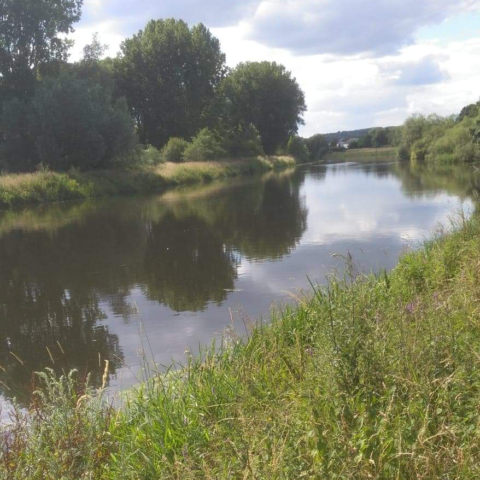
{"x": 151, "y": 277}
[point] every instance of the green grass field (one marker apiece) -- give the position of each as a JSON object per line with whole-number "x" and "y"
{"x": 363, "y": 155}
{"x": 46, "y": 186}
{"x": 368, "y": 378}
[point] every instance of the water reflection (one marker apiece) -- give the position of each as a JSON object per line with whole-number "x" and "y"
{"x": 67, "y": 270}
{"x": 73, "y": 276}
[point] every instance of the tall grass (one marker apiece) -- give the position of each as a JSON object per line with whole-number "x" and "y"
{"x": 46, "y": 186}
{"x": 367, "y": 378}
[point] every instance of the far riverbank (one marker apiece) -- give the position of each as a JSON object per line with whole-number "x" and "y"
{"x": 47, "y": 186}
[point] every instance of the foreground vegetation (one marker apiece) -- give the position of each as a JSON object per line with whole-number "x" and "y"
{"x": 48, "y": 186}
{"x": 367, "y": 378}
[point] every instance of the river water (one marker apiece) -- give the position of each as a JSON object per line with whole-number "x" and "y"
{"x": 133, "y": 278}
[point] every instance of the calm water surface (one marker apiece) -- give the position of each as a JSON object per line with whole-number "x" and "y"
{"x": 82, "y": 283}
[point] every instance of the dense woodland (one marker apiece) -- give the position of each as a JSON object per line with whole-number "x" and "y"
{"x": 167, "y": 96}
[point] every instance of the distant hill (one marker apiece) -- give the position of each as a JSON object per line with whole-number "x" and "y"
{"x": 348, "y": 134}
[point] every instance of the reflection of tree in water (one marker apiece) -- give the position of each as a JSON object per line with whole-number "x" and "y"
{"x": 182, "y": 253}
{"x": 46, "y": 303}
{"x": 187, "y": 264}
{"x": 190, "y": 258}
{"x": 421, "y": 179}
{"x": 270, "y": 226}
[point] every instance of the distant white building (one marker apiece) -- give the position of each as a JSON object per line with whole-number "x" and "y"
{"x": 345, "y": 143}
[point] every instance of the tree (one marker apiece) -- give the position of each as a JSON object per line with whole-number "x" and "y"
{"x": 69, "y": 123}
{"x": 93, "y": 52}
{"x": 170, "y": 75}
{"x": 317, "y": 146}
{"x": 205, "y": 146}
{"x": 78, "y": 125}
{"x": 32, "y": 34}
{"x": 365, "y": 141}
{"x": 379, "y": 137}
{"x": 297, "y": 148}
{"x": 267, "y": 96}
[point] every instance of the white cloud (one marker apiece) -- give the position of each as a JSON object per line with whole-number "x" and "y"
{"x": 348, "y": 27}
{"x": 356, "y": 61}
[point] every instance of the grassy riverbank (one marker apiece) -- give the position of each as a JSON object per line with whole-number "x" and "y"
{"x": 46, "y": 186}
{"x": 376, "y": 378}
{"x": 363, "y": 154}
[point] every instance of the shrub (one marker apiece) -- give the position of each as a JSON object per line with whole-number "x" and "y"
{"x": 297, "y": 148}
{"x": 151, "y": 156}
{"x": 243, "y": 142}
{"x": 205, "y": 146}
{"x": 173, "y": 151}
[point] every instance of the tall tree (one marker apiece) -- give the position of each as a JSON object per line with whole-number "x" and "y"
{"x": 170, "y": 74}
{"x": 265, "y": 94}
{"x": 32, "y": 34}
{"x": 379, "y": 137}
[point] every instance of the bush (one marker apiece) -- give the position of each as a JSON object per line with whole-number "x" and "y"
{"x": 173, "y": 151}
{"x": 205, "y": 146}
{"x": 297, "y": 148}
{"x": 243, "y": 142}
{"x": 151, "y": 156}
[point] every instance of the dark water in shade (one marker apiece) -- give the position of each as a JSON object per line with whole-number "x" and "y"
{"x": 80, "y": 282}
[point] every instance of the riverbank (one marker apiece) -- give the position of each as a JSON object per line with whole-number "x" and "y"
{"x": 47, "y": 186}
{"x": 363, "y": 155}
{"x": 375, "y": 378}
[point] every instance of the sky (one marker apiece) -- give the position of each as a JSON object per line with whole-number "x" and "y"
{"x": 361, "y": 63}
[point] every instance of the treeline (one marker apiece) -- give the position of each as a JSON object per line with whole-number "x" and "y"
{"x": 167, "y": 96}
{"x": 315, "y": 147}
{"x": 375, "y": 138}
{"x": 432, "y": 138}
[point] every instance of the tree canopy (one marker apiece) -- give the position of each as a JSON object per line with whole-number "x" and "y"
{"x": 170, "y": 81}
{"x": 170, "y": 74}
{"x": 264, "y": 94}
{"x": 32, "y": 34}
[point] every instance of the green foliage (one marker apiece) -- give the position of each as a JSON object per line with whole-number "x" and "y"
{"x": 170, "y": 75}
{"x": 365, "y": 141}
{"x": 297, "y": 148}
{"x": 240, "y": 142}
{"x": 379, "y": 137}
{"x": 32, "y": 36}
{"x": 205, "y": 146}
{"x": 70, "y": 124}
{"x": 151, "y": 156}
{"x": 174, "y": 150}
{"x": 317, "y": 146}
{"x": 437, "y": 139}
{"x": 79, "y": 126}
{"x": 264, "y": 94}
{"x": 470, "y": 111}
{"x": 66, "y": 413}
{"x": 18, "y": 151}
